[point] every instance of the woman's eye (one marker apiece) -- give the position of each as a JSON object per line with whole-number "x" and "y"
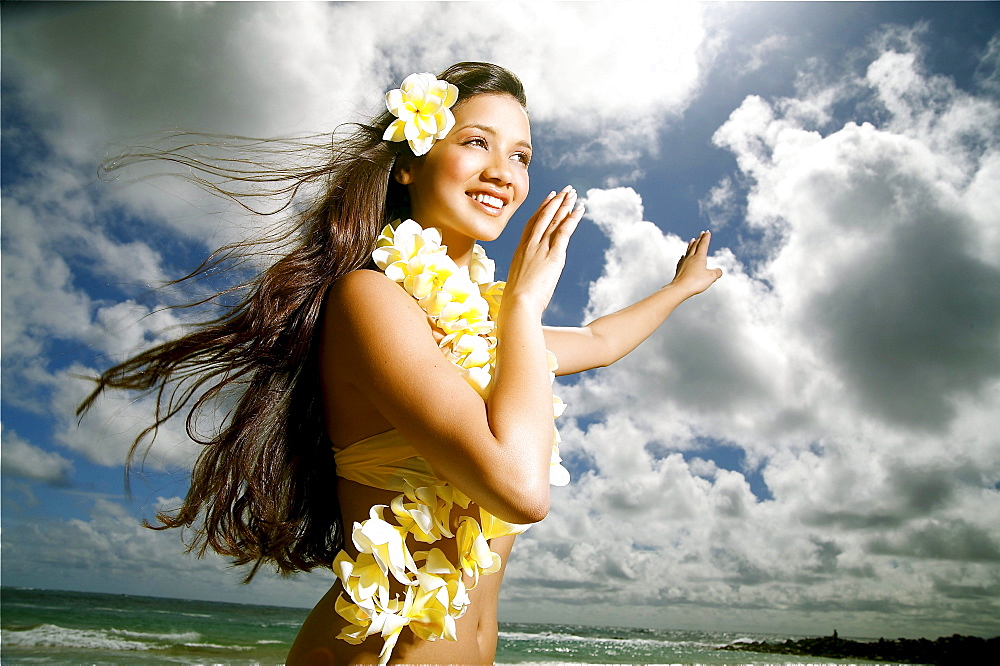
{"x": 476, "y": 142}
{"x": 523, "y": 158}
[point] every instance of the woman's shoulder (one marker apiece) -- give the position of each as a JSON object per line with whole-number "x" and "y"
{"x": 364, "y": 286}
{"x": 367, "y": 298}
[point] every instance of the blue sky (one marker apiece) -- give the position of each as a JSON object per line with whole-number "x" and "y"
{"x": 812, "y": 444}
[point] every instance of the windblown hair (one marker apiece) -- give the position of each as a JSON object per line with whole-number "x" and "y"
{"x": 263, "y": 489}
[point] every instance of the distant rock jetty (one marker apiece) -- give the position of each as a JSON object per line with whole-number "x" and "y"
{"x": 945, "y": 651}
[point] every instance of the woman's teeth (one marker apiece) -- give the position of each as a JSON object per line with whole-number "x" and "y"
{"x": 488, "y": 200}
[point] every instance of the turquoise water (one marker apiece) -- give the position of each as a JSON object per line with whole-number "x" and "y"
{"x": 57, "y": 627}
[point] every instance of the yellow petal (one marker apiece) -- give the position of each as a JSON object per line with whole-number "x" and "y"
{"x": 394, "y": 100}
{"x": 395, "y": 131}
{"x": 445, "y": 121}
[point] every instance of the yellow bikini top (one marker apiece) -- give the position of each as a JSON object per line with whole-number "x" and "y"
{"x": 385, "y": 461}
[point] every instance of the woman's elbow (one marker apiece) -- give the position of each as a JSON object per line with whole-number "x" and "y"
{"x": 526, "y": 503}
{"x": 533, "y": 513}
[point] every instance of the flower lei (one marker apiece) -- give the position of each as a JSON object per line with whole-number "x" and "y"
{"x": 422, "y": 106}
{"x": 463, "y": 303}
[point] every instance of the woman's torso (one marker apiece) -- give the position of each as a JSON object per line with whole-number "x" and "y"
{"x": 351, "y": 418}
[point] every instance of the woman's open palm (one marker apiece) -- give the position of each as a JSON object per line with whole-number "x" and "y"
{"x": 692, "y": 272}
{"x": 540, "y": 256}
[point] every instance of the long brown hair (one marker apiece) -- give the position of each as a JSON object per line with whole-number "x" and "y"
{"x": 264, "y": 487}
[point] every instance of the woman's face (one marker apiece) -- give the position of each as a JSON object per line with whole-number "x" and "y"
{"x": 471, "y": 182}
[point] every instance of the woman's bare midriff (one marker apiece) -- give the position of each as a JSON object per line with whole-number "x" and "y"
{"x": 317, "y": 641}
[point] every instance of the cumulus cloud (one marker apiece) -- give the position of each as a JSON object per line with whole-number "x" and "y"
{"x": 268, "y": 69}
{"x": 855, "y": 366}
{"x": 21, "y": 459}
{"x": 111, "y": 551}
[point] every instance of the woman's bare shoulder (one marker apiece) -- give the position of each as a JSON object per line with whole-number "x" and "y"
{"x": 367, "y": 306}
{"x": 370, "y": 293}
{"x": 364, "y": 283}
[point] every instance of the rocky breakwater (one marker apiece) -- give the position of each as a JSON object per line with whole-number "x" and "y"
{"x": 945, "y": 651}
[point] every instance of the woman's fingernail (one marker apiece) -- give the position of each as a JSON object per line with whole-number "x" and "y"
{"x": 567, "y": 188}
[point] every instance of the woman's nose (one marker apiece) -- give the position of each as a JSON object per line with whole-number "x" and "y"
{"x": 499, "y": 170}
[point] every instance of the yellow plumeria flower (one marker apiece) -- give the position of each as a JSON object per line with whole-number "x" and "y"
{"x": 493, "y": 292}
{"x": 481, "y": 267}
{"x": 426, "y": 516}
{"x": 474, "y": 552}
{"x": 422, "y": 106}
{"x": 385, "y": 543}
{"x": 364, "y": 580}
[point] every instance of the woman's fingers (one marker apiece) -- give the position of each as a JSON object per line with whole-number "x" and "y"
{"x": 555, "y": 209}
{"x": 560, "y": 231}
{"x": 692, "y": 269}
{"x": 553, "y": 212}
{"x": 543, "y": 216}
{"x": 539, "y": 259}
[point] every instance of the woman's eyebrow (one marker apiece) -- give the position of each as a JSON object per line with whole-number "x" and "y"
{"x": 492, "y": 130}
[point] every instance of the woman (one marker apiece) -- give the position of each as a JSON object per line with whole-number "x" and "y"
{"x": 435, "y": 397}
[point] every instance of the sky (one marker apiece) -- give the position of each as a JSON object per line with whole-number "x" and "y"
{"x": 811, "y": 445}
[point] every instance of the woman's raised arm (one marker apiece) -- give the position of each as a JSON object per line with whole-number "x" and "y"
{"x": 609, "y": 338}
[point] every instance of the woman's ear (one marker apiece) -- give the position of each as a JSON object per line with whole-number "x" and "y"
{"x": 402, "y": 170}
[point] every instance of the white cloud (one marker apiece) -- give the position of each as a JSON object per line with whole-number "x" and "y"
{"x": 105, "y": 435}
{"x": 856, "y": 367}
{"x": 112, "y": 552}
{"x": 263, "y": 69}
{"x": 21, "y": 459}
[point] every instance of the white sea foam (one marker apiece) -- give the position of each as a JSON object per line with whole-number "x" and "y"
{"x": 556, "y": 637}
{"x": 268, "y": 642}
{"x": 173, "y": 612}
{"x": 51, "y": 635}
{"x": 173, "y": 638}
{"x": 214, "y": 646}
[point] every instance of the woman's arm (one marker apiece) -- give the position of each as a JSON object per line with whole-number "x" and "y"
{"x": 496, "y": 452}
{"x": 609, "y": 338}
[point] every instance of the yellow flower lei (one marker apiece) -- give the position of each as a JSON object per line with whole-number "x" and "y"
{"x": 463, "y": 303}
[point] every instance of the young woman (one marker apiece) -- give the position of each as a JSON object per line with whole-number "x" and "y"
{"x": 387, "y": 356}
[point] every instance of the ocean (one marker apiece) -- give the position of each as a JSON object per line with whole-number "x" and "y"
{"x": 58, "y": 627}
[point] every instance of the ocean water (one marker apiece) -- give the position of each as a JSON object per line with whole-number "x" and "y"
{"x": 57, "y": 627}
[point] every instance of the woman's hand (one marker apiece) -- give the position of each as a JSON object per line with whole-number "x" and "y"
{"x": 693, "y": 275}
{"x": 539, "y": 259}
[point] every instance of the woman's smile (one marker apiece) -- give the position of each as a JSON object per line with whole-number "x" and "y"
{"x": 491, "y": 203}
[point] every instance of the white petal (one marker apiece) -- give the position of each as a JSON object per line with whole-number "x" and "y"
{"x": 394, "y": 100}
{"x": 421, "y": 146}
{"x": 558, "y": 475}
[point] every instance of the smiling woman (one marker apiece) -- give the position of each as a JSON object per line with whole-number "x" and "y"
{"x": 384, "y": 352}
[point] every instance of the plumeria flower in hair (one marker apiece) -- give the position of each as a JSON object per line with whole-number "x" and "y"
{"x": 422, "y": 106}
